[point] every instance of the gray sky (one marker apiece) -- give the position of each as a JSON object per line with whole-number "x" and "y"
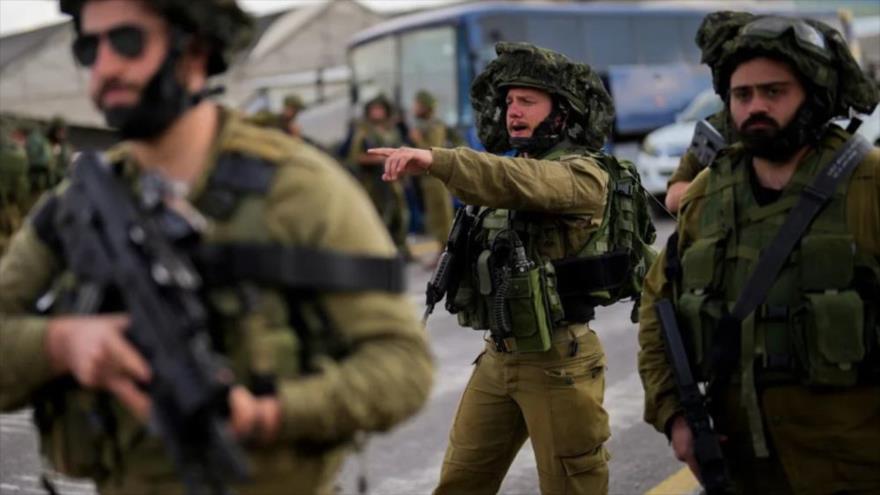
{"x": 18, "y": 15}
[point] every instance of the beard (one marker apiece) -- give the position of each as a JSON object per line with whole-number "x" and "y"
{"x": 773, "y": 142}
{"x": 161, "y": 102}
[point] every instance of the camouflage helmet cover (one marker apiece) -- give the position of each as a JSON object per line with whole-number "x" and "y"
{"x": 525, "y": 65}
{"x": 426, "y": 99}
{"x": 221, "y": 22}
{"x": 837, "y": 75}
{"x": 379, "y": 99}
{"x": 294, "y": 101}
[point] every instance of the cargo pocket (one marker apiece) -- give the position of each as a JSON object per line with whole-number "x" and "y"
{"x": 827, "y": 262}
{"x": 699, "y": 262}
{"x": 699, "y": 316}
{"x": 834, "y": 338}
{"x": 587, "y": 462}
{"x": 576, "y": 390}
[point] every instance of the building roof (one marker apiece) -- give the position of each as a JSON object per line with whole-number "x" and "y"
{"x": 15, "y": 45}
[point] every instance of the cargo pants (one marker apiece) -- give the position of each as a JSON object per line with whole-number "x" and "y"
{"x": 554, "y": 398}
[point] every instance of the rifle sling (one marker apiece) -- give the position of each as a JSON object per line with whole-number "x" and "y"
{"x": 298, "y": 267}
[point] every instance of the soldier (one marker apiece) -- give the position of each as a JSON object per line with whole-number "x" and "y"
{"x": 41, "y": 162}
{"x": 293, "y": 105}
{"x": 14, "y": 186}
{"x": 551, "y": 221}
{"x": 690, "y": 165}
{"x": 430, "y": 132}
{"x": 253, "y": 191}
{"x": 378, "y": 129}
{"x": 774, "y": 271}
{"x": 61, "y": 149}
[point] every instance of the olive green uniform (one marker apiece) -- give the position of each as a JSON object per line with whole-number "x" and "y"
{"x": 383, "y": 378}
{"x": 14, "y": 188}
{"x": 552, "y": 397}
{"x": 387, "y": 197}
{"x": 437, "y": 200}
{"x": 821, "y": 438}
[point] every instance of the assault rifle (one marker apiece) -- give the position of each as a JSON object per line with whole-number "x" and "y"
{"x": 707, "y": 450}
{"x": 444, "y": 280}
{"x": 119, "y": 251}
{"x": 706, "y": 143}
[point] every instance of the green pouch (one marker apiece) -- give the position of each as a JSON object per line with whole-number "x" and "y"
{"x": 827, "y": 262}
{"x": 529, "y": 317}
{"x": 72, "y": 441}
{"x": 698, "y": 264}
{"x": 834, "y": 338}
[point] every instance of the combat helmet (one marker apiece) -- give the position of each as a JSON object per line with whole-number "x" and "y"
{"x": 294, "y": 101}
{"x": 426, "y": 99}
{"x": 818, "y": 52}
{"x": 590, "y": 112}
{"x": 221, "y": 22}
{"x": 379, "y": 99}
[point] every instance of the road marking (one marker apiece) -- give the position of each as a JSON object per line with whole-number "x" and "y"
{"x": 680, "y": 483}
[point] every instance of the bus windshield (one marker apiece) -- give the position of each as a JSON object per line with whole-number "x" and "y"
{"x": 424, "y": 59}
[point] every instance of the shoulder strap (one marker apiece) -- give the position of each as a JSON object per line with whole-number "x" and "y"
{"x": 235, "y": 175}
{"x": 812, "y": 199}
{"x": 299, "y": 267}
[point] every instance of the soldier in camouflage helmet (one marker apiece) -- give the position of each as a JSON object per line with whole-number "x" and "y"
{"x": 544, "y": 218}
{"x": 293, "y": 105}
{"x": 794, "y": 377}
{"x": 231, "y": 185}
{"x": 428, "y": 132}
{"x": 378, "y": 128}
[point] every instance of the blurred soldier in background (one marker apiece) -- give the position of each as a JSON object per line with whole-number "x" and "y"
{"x": 61, "y": 148}
{"x": 692, "y": 163}
{"x": 561, "y": 228}
{"x": 293, "y": 105}
{"x": 14, "y": 185}
{"x": 247, "y": 195}
{"x": 41, "y": 162}
{"x": 430, "y": 132}
{"x": 774, "y": 272}
{"x": 377, "y": 129}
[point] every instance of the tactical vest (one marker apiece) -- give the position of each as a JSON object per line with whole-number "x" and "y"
{"x": 818, "y": 325}
{"x": 267, "y": 332}
{"x": 570, "y": 268}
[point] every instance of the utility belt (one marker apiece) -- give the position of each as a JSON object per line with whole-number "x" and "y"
{"x": 831, "y": 340}
{"x": 522, "y": 306}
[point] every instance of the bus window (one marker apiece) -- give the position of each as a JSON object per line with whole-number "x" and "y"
{"x": 427, "y": 61}
{"x": 608, "y": 40}
{"x": 547, "y": 31}
{"x": 375, "y": 68}
{"x": 659, "y": 40}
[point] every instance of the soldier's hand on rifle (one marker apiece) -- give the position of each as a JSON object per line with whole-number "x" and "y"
{"x": 683, "y": 444}
{"x": 95, "y": 351}
{"x": 254, "y": 418}
{"x": 403, "y": 161}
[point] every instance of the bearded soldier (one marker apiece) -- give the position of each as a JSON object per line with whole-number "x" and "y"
{"x": 774, "y": 274}
{"x": 304, "y": 359}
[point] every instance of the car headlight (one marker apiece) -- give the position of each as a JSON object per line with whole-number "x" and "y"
{"x": 649, "y": 149}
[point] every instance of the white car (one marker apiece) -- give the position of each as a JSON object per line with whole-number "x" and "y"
{"x": 662, "y": 149}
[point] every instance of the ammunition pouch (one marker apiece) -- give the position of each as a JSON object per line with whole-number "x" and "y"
{"x": 77, "y": 430}
{"x": 527, "y": 304}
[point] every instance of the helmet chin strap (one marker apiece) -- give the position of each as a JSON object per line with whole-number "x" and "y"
{"x": 545, "y": 136}
{"x": 164, "y": 99}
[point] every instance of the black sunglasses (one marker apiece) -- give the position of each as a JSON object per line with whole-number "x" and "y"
{"x": 127, "y": 41}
